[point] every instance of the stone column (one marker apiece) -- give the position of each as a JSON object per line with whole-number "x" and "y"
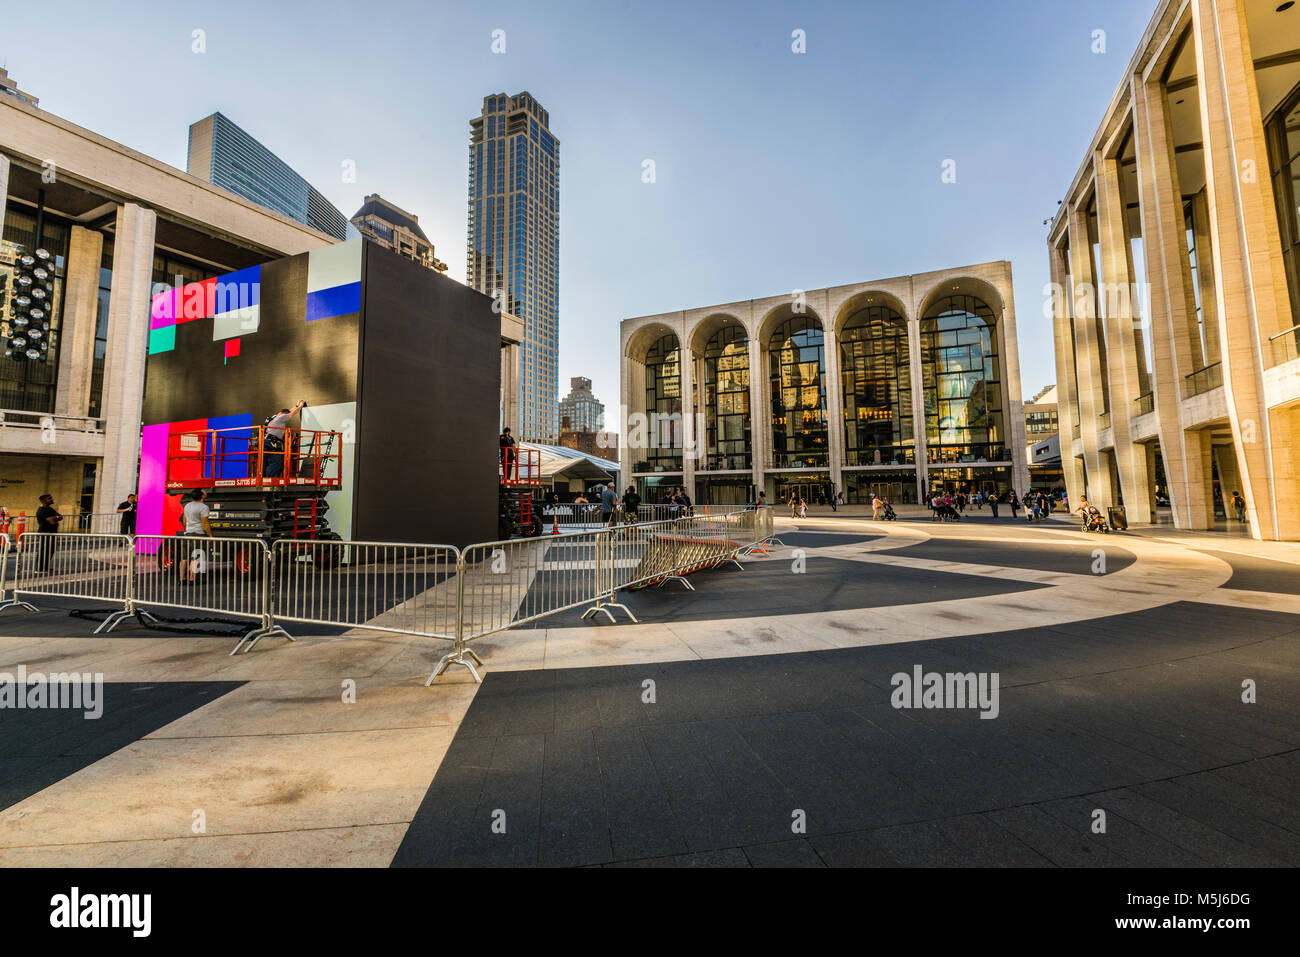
{"x": 760, "y": 407}
{"x": 1251, "y": 288}
{"x": 77, "y": 323}
{"x": 128, "y": 331}
{"x": 4, "y": 188}
{"x": 686, "y": 380}
{"x": 1012, "y": 403}
{"x": 917, "y": 382}
{"x": 834, "y": 400}
{"x": 1066, "y": 385}
{"x": 1123, "y": 359}
{"x": 1173, "y": 306}
{"x": 1087, "y": 350}
{"x": 634, "y": 425}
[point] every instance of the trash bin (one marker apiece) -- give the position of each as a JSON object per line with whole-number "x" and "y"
{"x": 1118, "y": 520}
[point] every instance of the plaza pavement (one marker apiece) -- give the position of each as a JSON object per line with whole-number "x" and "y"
{"x": 1120, "y": 692}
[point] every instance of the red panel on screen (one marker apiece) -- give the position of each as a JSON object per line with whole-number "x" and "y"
{"x": 178, "y": 467}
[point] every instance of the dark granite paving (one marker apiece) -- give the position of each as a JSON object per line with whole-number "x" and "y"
{"x": 810, "y": 539}
{"x": 53, "y": 620}
{"x": 39, "y": 747}
{"x": 771, "y": 588}
{"x": 1049, "y": 556}
{"x": 1259, "y": 574}
{"x": 1137, "y": 715}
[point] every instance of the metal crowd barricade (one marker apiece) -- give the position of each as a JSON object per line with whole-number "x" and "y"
{"x": 99, "y": 523}
{"x": 435, "y": 591}
{"x": 8, "y": 554}
{"x": 514, "y": 582}
{"x": 405, "y": 588}
{"x": 88, "y": 566}
{"x": 224, "y": 576}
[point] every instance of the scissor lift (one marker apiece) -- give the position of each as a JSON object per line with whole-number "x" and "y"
{"x": 519, "y": 478}
{"x": 256, "y": 492}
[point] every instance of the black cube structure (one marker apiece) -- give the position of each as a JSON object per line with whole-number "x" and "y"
{"x": 402, "y": 362}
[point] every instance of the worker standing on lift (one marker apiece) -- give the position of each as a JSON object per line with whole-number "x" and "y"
{"x": 508, "y": 453}
{"x": 277, "y": 427}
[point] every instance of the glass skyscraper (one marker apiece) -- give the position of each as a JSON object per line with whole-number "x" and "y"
{"x": 513, "y": 246}
{"x": 224, "y": 155}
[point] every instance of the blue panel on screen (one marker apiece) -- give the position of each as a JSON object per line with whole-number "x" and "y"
{"x": 238, "y": 289}
{"x": 234, "y": 463}
{"x": 336, "y": 301}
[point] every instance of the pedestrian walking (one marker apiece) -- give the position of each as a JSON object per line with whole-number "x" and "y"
{"x": 195, "y": 517}
{"x": 607, "y": 502}
{"x": 876, "y": 506}
{"x": 1239, "y": 505}
{"x": 1014, "y": 503}
{"x": 993, "y": 504}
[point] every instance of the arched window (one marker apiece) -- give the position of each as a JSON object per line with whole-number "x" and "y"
{"x": 663, "y": 406}
{"x": 877, "y": 388}
{"x": 798, "y": 379}
{"x": 962, "y": 382}
{"x": 726, "y": 399}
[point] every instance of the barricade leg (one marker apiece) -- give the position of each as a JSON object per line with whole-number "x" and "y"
{"x": 16, "y": 602}
{"x": 458, "y": 656}
{"x": 459, "y": 653}
{"x": 267, "y": 629}
{"x": 605, "y": 601}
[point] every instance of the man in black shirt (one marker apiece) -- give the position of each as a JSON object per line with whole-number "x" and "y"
{"x": 508, "y": 452}
{"x": 127, "y": 511}
{"x": 47, "y": 523}
{"x": 631, "y": 502}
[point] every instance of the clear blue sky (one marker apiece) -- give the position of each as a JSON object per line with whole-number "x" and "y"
{"x": 775, "y": 171}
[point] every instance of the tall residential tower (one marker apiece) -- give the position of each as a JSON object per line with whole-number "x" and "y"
{"x": 513, "y": 245}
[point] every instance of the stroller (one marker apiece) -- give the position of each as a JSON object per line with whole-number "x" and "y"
{"x": 888, "y": 514}
{"x": 1093, "y": 521}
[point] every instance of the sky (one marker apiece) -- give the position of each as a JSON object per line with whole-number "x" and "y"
{"x": 774, "y": 170}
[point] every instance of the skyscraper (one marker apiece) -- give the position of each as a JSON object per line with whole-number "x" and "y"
{"x": 224, "y": 155}
{"x": 514, "y": 240}
{"x": 584, "y": 412}
{"x": 396, "y": 229}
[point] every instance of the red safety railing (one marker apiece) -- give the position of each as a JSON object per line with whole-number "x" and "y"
{"x": 520, "y": 466}
{"x": 239, "y": 458}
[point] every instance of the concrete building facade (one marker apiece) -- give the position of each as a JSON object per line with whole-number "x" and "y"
{"x": 1175, "y": 287}
{"x": 902, "y": 386}
{"x": 120, "y": 226}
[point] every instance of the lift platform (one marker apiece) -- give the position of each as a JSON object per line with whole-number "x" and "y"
{"x": 255, "y": 491}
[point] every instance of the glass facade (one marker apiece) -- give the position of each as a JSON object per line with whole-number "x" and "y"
{"x": 798, "y": 380}
{"x": 813, "y": 487}
{"x": 29, "y": 386}
{"x": 961, "y": 378}
{"x": 240, "y": 164}
{"x": 513, "y": 242}
{"x": 723, "y": 489}
{"x": 894, "y": 487}
{"x": 663, "y": 406}
{"x": 725, "y": 368}
{"x": 877, "y": 387}
{"x": 950, "y": 481}
{"x": 1284, "y": 164}
{"x": 101, "y": 329}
